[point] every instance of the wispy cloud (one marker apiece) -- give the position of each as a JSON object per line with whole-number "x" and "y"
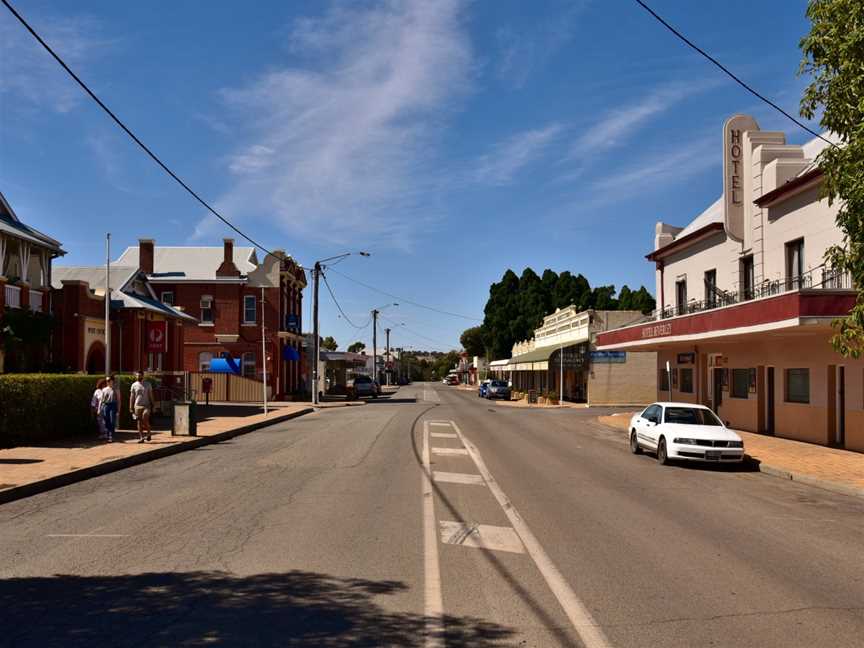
{"x": 499, "y": 166}
{"x": 522, "y": 50}
{"x": 29, "y": 77}
{"x": 341, "y": 147}
{"x": 619, "y": 124}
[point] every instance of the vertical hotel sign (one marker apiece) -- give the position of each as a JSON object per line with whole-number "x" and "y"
{"x": 734, "y": 168}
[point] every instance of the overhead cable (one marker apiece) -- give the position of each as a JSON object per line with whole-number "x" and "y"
{"x": 335, "y": 301}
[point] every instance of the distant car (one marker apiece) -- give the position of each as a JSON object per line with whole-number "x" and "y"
{"x": 364, "y": 386}
{"x": 484, "y": 387}
{"x": 452, "y": 380}
{"x": 684, "y": 431}
{"x": 498, "y": 389}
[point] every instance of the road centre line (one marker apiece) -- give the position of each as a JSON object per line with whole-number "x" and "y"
{"x": 586, "y": 627}
{"x": 433, "y": 602}
{"x": 88, "y": 535}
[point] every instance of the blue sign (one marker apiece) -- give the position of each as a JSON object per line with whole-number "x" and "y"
{"x": 227, "y": 365}
{"x": 608, "y": 357}
{"x": 290, "y": 353}
{"x": 292, "y": 322}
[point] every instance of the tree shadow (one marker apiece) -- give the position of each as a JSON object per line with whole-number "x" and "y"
{"x": 296, "y": 608}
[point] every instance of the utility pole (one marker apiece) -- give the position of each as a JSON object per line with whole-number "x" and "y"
{"x": 375, "y": 344}
{"x": 387, "y": 363}
{"x": 561, "y": 377}
{"x": 263, "y": 350}
{"x": 107, "y": 304}
{"x": 316, "y": 352}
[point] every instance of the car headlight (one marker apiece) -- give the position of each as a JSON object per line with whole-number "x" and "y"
{"x": 736, "y": 444}
{"x": 685, "y": 441}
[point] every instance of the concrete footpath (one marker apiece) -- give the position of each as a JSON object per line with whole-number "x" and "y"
{"x": 840, "y": 471}
{"x": 28, "y": 470}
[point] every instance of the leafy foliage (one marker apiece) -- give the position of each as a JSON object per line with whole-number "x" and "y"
{"x": 517, "y": 305}
{"x": 473, "y": 341}
{"x": 25, "y": 338}
{"x": 329, "y": 343}
{"x": 356, "y": 347}
{"x": 834, "y": 56}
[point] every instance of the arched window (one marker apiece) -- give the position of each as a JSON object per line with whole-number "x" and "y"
{"x": 204, "y": 359}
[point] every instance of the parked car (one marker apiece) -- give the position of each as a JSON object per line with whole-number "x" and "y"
{"x": 363, "y": 386}
{"x": 484, "y": 387}
{"x": 684, "y": 431}
{"x": 452, "y": 379}
{"x": 498, "y": 389}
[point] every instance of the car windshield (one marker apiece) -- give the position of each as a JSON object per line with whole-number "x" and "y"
{"x": 691, "y": 416}
{"x": 498, "y": 383}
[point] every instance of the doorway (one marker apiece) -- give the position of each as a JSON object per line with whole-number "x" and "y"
{"x": 840, "y": 438}
{"x": 718, "y": 390}
{"x": 769, "y": 400}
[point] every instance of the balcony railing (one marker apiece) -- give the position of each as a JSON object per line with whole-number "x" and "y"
{"x": 36, "y": 301}
{"x": 820, "y": 278}
{"x": 12, "y": 296}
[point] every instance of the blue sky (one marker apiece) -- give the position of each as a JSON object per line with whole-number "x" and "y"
{"x": 450, "y": 139}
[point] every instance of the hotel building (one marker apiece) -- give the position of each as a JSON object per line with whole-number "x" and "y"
{"x": 746, "y": 300}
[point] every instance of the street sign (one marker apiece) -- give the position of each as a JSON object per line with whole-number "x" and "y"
{"x": 157, "y": 337}
{"x": 608, "y": 357}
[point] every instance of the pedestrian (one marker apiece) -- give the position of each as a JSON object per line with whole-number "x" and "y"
{"x": 108, "y": 404}
{"x": 96, "y": 410}
{"x": 141, "y": 404}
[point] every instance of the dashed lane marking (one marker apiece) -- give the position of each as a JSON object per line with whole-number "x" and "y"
{"x": 481, "y": 536}
{"x": 457, "y": 478}
{"x": 449, "y": 452}
{"x": 433, "y": 603}
{"x": 441, "y": 423}
{"x": 444, "y": 435}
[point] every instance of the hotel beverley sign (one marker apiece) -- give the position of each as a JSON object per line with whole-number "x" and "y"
{"x": 733, "y": 172}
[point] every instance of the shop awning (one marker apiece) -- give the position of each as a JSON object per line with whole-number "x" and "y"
{"x": 534, "y": 360}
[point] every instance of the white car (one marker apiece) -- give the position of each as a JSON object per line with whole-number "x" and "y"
{"x": 684, "y": 431}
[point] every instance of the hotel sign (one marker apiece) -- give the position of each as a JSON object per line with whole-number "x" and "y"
{"x": 657, "y": 330}
{"x": 733, "y": 172}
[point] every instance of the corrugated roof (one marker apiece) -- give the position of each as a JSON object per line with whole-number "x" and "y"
{"x": 93, "y": 275}
{"x": 192, "y": 263}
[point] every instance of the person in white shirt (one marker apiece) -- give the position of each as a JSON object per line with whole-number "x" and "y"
{"x": 141, "y": 404}
{"x": 96, "y": 410}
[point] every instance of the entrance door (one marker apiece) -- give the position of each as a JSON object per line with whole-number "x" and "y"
{"x": 841, "y": 407}
{"x": 769, "y": 400}
{"x": 718, "y": 390}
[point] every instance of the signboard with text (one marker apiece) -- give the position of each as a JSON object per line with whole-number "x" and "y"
{"x": 608, "y": 357}
{"x": 157, "y": 337}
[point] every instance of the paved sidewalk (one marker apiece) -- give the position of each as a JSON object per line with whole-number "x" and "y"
{"x": 27, "y": 470}
{"x": 840, "y": 471}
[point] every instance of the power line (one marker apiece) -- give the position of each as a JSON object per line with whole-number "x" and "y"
{"x": 729, "y": 73}
{"x": 412, "y": 332}
{"x": 127, "y": 130}
{"x": 404, "y": 300}
{"x": 333, "y": 297}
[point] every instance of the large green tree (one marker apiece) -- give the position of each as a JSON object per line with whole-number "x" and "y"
{"x": 834, "y": 57}
{"x": 473, "y": 341}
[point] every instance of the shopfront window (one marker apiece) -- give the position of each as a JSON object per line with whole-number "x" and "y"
{"x": 740, "y": 383}
{"x": 686, "y": 380}
{"x": 249, "y": 364}
{"x": 797, "y": 385}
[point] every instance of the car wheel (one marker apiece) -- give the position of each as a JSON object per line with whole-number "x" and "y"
{"x": 635, "y": 448}
{"x": 662, "y": 457}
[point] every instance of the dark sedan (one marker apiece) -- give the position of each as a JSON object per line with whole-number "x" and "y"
{"x": 498, "y": 389}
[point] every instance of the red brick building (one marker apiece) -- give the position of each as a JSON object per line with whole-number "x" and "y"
{"x": 229, "y": 290}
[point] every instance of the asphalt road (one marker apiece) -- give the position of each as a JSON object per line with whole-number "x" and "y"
{"x": 529, "y": 528}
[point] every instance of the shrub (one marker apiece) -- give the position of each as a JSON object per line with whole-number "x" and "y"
{"x": 46, "y": 407}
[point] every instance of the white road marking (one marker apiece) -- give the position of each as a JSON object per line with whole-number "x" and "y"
{"x": 481, "y": 536}
{"x": 445, "y": 435}
{"x": 88, "y": 535}
{"x": 457, "y": 478}
{"x": 589, "y": 631}
{"x": 449, "y": 452}
{"x": 433, "y": 603}
{"x": 441, "y": 423}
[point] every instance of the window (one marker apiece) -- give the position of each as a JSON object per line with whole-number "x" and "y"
{"x": 204, "y": 359}
{"x": 740, "y": 383}
{"x": 681, "y": 296}
{"x": 168, "y": 297}
{"x": 748, "y": 278}
{"x": 652, "y": 413}
{"x": 249, "y": 364}
{"x": 664, "y": 380}
{"x": 249, "y": 309}
{"x": 711, "y": 288}
{"x": 794, "y": 264}
{"x": 686, "y": 380}
{"x": 797, "y": 385}
{"x": 206, "y": 309}
{"x": 691, "y": 416}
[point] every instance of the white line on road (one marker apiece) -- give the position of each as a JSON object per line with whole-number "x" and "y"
{"x": 441, "y": 423}
{"x": 444, "y": 435}
{"x": 587, "y": 628}
{"x": 88, "y": 535}
{"x": 457, "y": 478}
{"x": 434, "y": 605}
{"x": 449, "y": 452}
{"x": 481, "y": 536}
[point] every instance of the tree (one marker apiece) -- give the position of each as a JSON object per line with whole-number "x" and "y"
{"x": 834, "y": 56}
{"x": 329, "y": 343}
{"x": 356, "y": 347}
{"x": 473, "y": 341}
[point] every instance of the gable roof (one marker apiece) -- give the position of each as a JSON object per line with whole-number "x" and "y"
{"x": 11, "y": 224}
{"x": 192, "y": 263}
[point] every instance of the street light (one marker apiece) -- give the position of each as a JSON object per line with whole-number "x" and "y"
{"x": 316, "y": 346}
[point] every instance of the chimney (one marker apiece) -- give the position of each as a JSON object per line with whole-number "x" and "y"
{"x": 145, "y": 255}
{"x": 228, "y": 269}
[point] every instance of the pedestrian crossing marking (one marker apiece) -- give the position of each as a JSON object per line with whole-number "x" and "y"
{"x": 457, "y": 478}
{"x": 481, "y": 536}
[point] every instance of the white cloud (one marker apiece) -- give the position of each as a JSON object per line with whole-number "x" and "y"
{"x": 342, "y": 148}
{"x": 31, "y": 76}
{"x": 500, "y": 165}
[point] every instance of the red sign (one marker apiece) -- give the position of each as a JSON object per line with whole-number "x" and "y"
{"x": 157, "y": 337}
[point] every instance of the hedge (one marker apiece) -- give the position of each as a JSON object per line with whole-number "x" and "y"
{"x": 38, "y": 408}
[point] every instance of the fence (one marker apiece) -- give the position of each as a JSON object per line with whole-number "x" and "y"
{"x": 228, "y": 387}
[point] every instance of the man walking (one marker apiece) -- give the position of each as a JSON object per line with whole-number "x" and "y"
{"x": 141, "y": 404}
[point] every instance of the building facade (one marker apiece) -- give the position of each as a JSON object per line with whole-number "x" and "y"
{"x": 567, "y": 337}
{"x": 232, "y": 293}
{"x": 747, "y": 300}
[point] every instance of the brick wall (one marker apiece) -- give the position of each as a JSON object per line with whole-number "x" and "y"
{"x": 633, "y": 382}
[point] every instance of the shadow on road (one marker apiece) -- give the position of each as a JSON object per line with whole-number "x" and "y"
{"x": 215, "y": 608}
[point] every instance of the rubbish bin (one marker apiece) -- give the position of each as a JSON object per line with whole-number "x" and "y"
{"x": 185, "y": 421}
{"x": 532, "y": 396}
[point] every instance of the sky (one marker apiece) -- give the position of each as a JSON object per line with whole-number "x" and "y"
{"x": 452, "y": 140}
